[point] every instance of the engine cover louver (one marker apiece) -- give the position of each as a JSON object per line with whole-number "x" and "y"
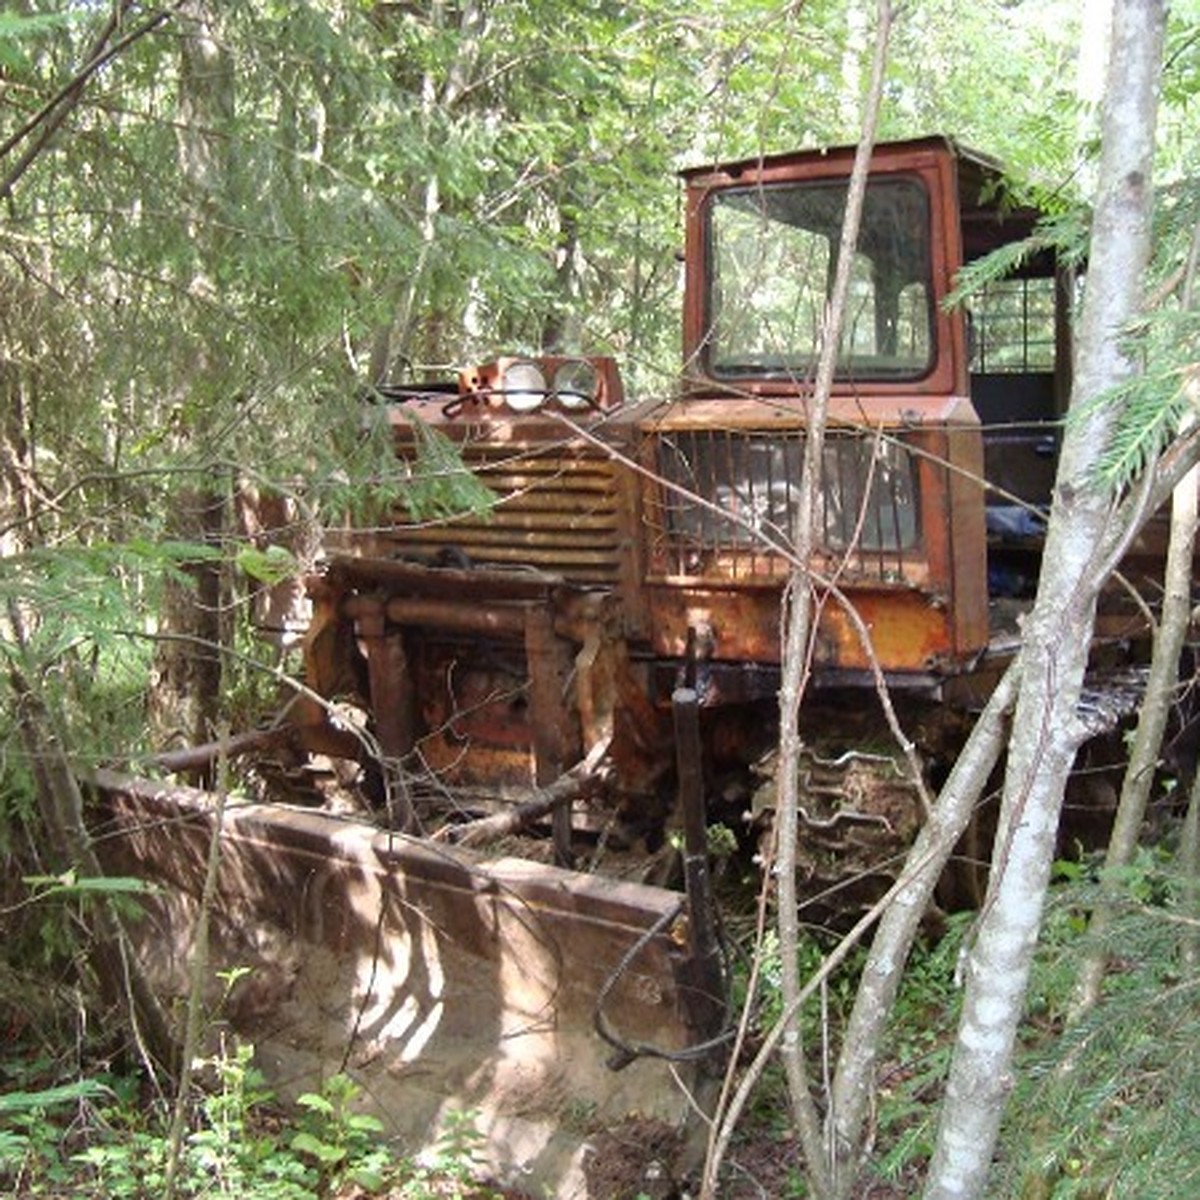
{"x": 556, "y": 511}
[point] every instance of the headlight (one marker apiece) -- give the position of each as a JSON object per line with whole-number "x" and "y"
{"x": 576, "y": 384}
{"x": 523, "y": 386}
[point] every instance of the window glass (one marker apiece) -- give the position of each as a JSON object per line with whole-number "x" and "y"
{"x": 1012, "y": 327}
{"x": 772, "y": 264}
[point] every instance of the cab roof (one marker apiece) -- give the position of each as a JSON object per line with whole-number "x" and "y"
{"x": 976, "y": 162}
{"x": 989, "y": 216}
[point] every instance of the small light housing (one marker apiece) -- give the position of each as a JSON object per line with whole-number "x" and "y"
{"x": 576, "y": 384}
{"x": 523, "y": 386}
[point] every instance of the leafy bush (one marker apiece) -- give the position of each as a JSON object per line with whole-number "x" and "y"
{"x": 97, "y": 1136}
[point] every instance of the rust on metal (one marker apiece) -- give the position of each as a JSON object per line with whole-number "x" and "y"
{"x": 439, "y": 980}
{"x": 555, "y": 742}
{"x": 631, "y": 549}
{"x": 704, "y": 959}
{"x": 599, "y": 643}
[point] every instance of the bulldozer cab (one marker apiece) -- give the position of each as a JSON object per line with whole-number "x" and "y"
{"x": 929, "y": 400}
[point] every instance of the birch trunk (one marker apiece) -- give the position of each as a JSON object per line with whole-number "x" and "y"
{"x": 854, "y": 1080}
{"x": 1047, "y": 731}
{"x": 1189, "y": 868}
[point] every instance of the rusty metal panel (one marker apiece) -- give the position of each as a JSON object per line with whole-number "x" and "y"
{"x": 557, "y": 509}
{"x": 900, "y": 518}
{"x": 968, "y": 542}
{"x": 910, "y": 631}
{"x": 438, "y": 980}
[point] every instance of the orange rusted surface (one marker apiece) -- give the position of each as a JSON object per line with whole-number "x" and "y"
{"x": 908, "y": 629}
{"x": 630, "y": 550}
{"x": 931, "y": 160}
{"x": 925, "y": 603}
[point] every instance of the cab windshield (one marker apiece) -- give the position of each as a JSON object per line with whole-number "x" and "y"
{"x": 772, "y": 259}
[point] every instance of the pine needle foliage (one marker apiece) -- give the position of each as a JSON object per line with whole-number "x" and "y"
{"x": 1110, "y": 1107}
{"x": 440, "y": 484}
{"x": 1155, "y": 404}
{"x": 1065, "y": 234}
{"x": 371, "y": 481}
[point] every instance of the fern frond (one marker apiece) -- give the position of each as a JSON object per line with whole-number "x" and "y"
{"x": 1153, "y": 404}
{"x": 1065, "y": 233}
{"x": 440, "y": 484}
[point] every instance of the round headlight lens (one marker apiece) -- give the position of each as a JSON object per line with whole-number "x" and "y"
{"x": 523, "y": 386}
{"x": 576, "y": 384}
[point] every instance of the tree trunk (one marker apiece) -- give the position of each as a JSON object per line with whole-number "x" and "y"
{"x": 1047, "y": 731}
{"x": 1161, "y": 688}
{"x": 118, "y": 976}
{"x": 798, "y": 633}
{"x": 1189, "y": 868}
{"x": 185, "y": 692}
{"x": 854, "y": 1080}
{"x": 414, "y": 332}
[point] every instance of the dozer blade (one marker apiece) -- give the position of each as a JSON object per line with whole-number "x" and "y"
{"x": 442, "y": 983}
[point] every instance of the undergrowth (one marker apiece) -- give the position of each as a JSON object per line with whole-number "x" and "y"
{"x": 1109, "y": 1106}
{"x": 100, "y": 1136}
{"x": 1106, "y": 1108}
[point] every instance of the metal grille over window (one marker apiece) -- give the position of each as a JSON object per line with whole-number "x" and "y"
{"x": 1013, "y": 327}
{"x": 732, "y": 497}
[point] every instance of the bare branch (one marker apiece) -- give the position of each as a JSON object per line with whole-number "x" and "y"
{"x": 55, "y": 111}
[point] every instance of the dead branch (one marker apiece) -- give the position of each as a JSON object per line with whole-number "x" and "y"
{"x": 200, "y": 758}
{"x": 583, "y": 779}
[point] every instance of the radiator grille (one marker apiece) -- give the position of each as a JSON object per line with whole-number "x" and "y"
{"x": 556, "y": 510}
{"x": 731, "y": 501}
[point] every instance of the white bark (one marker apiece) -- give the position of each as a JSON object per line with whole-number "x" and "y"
{"x": 1046, "y": 731}
{"x": 1161, "y": 686}
{"x": 854, "y": 1080}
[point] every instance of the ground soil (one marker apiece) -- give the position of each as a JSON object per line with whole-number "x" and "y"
{"x": 641, "y": 1160}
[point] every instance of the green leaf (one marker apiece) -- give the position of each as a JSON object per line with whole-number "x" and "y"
{"x": 22, "y": 1102}
{"x": 315, "y": 1103}
{"x": 105, "y": 885}
{"x": 1065, "y": 234}
{"x": 323, "y": 1152}
{"x": 440, "y": 484}
{"x": 270, "y": 566}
